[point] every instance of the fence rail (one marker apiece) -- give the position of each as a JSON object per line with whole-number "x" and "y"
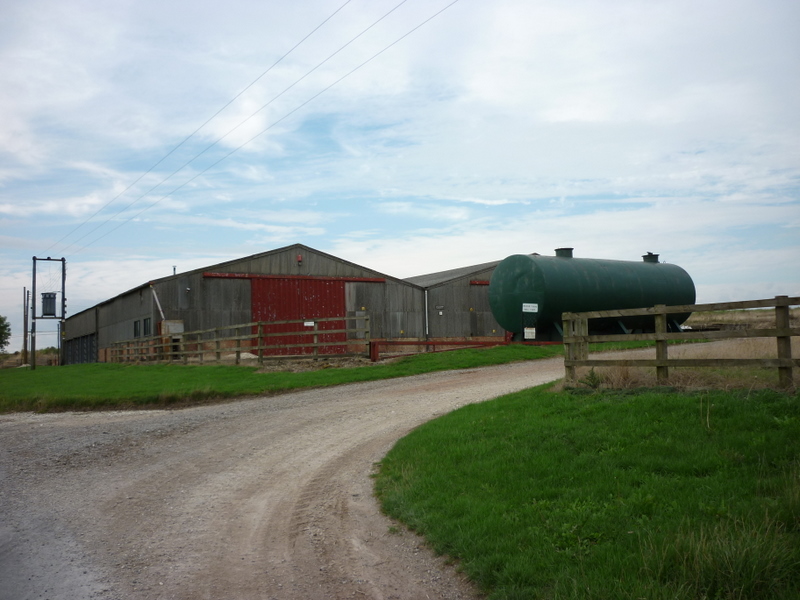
{"x": 213, "y": 344}
{"x": 577, "y": 339}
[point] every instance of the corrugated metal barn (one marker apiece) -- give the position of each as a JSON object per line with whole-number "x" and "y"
{"x": 457, "y": 302}
{"x": 291, "y": 283}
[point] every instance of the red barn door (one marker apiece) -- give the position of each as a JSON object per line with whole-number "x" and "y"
{"x": 286, "y": 299}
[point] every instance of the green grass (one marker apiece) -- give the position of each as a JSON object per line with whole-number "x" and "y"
{"x": 105, "y": 386}
{"x": 653, "y": 494}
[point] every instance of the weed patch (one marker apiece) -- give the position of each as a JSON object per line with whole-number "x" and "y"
{"x": 727, "y": 558}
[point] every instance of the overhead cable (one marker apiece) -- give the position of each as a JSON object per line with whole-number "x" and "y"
{"x": 186, "y": 139}
{"x": 219, "y": 139}
{"x": 275, "y": 123}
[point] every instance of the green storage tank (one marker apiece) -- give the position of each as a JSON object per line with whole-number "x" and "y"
{"x": 528, "y": 293}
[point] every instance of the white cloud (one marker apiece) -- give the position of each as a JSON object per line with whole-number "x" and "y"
{"x": 427, "y": 212}
{"x": 497, "y": 128}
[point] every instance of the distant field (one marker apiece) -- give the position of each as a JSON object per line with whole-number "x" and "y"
{"x": 752, "y": 319}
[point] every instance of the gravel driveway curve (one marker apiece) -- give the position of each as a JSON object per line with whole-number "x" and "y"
{"x": 265, "y": 498}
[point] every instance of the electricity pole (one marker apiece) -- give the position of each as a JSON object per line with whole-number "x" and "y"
{"x": 25, "y": 300}
{"x": 48, "y": 303}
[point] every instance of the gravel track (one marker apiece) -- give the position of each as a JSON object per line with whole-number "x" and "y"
{"x": 265, "y": 498}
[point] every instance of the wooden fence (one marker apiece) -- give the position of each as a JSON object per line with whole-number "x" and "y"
{"x": 307, "y": 340}
{"x": 577, "y": 339}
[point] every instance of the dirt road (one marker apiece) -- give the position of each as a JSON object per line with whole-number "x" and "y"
{"x": 267, "y": 498}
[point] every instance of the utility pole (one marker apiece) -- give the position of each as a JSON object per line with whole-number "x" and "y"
{"x": 48, "y": 304}
{"x": 33, "y": 318}
{"x": 26, "y": 295}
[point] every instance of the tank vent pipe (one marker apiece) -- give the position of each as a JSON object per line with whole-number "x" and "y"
{"x": 650, "y": 258}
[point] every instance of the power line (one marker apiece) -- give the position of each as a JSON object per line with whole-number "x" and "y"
{"x": 284, "y": 117}
{"x": 219, "y": 139}
{"x": 186, "y": 139}
{"x": 52, "y": 279}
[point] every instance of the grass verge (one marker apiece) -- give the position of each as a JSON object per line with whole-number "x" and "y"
{"x": 108, "y": 386}
{"x": 649, "y": 494}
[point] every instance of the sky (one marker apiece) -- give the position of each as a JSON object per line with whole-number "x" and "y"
{"x": 410, "y": 137}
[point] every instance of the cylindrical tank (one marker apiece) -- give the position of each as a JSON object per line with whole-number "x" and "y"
{"x": 531, "y": 291}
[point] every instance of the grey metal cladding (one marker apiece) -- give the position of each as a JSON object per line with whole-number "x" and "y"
{"x": 396, "y": 307}
{"x": 84, "y": 323}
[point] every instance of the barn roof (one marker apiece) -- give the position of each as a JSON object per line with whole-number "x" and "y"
{"x": 434, "y": 279}
{"x": 293, "y": 248}
{"x": 228, "y": 263}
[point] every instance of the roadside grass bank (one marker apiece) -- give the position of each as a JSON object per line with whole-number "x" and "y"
{"x": 650, "y": 494}
{"x": 104, "y": 386}
{"x": 107, "y": 386}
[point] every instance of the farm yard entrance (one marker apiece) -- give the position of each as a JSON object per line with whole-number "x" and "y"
{"x": 278, "y": 302}
{"x": 263, "y": 498}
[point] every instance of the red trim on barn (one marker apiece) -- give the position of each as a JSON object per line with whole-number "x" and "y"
{"x": 479, "y": 282}
{"x": 297, "y": 277}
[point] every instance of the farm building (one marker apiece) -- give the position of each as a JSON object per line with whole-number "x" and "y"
{"x": 457, "y": 302}
{"x": 294, "y": 283}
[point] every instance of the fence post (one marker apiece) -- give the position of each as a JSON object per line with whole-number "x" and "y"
{"x": 366, "y": 335}
{"x": 662, "y": 370}
{"x": 238, "y": 345}
{"x": 260, "y": 342}
{"x": 784, "y": 340}
{"x": 316, "y": 338}
{"x": 583, "y": 346}
{"x": 569, "y": 347}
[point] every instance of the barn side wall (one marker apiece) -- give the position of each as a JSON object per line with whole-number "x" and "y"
{"x": 460, "y": 308}
{"x": 81, "y": 345}
{"x": 203, "y": 302}
{"x": 222, "y": 295}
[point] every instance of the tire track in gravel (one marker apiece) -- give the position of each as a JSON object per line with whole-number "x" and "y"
{"x": 263, "y": 498}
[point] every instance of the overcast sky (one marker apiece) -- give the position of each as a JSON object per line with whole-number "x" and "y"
{"x": 494, "y": 128}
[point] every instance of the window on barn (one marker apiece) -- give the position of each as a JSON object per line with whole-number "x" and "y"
{"x": 148, "y": 327}
{"x": 137, "y": 329}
